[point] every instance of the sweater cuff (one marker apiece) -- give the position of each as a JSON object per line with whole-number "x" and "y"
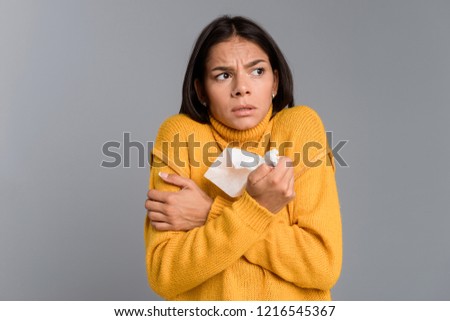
{"x": 252, "y": 213}
{"x": 217, "y": 207}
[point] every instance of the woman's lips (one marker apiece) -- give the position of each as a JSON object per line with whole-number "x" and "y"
{"x": 245, "y": 110}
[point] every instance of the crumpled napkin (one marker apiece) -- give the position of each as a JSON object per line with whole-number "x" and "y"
{"x": 231, "y": 169}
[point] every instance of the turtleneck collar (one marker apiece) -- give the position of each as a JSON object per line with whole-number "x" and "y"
{"x": 225, "y": 135}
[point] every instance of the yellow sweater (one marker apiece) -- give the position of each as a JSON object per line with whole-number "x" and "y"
{"x": 243, "y": 251}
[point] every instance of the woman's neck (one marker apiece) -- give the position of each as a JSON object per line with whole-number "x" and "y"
{"x": 230, "y": 137}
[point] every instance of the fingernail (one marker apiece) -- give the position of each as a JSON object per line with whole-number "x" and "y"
{"x": 163, "y": 175}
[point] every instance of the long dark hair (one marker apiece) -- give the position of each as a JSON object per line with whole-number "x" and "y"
{"x": 218, "y": 31}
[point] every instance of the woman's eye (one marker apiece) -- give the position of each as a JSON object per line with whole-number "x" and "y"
{"x": 223, "y": 76}
{"x": 258, "y": 72}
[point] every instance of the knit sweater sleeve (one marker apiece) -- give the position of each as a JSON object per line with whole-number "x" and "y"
{"x": 308, "y": 251}
{"x": 178, "y": 261}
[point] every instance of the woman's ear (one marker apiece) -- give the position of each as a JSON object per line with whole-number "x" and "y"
{"x": 275, "y": 82}
{"x": 200, "y": 92}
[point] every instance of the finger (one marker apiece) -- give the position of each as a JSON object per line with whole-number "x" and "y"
{"x": 155, "y": 206}
{"x": 282, "y": 170}
{"x": 175, "y": 179}
{"x": 285, "y": 162}
{"x": 159, "y": 196}
{"x": 162, "y": 226}
{"x": 291, "y": 186}
{"x": 285, "y": 165}
{"x": 259, "y": 173}
{"x": 288, "y": 172}
{"x": 157, "y": 217}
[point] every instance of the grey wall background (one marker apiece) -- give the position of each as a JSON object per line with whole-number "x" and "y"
{"x": 76, "y": 74}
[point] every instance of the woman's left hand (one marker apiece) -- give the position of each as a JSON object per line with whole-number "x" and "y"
{"x": 178, "y": 211}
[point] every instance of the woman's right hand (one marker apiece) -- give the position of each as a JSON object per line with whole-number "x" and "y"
{"x": 272, "y": 187}
{"x": 178, "y": 211}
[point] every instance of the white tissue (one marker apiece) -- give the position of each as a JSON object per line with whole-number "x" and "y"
{"x": 231, "y": 169}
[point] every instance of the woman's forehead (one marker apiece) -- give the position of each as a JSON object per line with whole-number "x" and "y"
{"x": 235, "y": 48}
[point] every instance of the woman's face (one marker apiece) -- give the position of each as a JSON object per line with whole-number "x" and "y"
{"x": 238, "y": 83}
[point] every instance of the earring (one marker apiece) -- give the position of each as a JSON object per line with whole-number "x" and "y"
{"x": 273, "y": 95}
{"x": 204, "y": 103}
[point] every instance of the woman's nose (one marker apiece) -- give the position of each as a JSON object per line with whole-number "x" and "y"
{"x": 241, "y": 86}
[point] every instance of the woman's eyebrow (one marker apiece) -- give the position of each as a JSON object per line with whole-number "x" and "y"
{"x": 249, "y": 65}
{"x": 254, "y": 62}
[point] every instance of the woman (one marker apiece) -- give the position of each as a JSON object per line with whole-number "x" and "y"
{"x": 280, "y": 239}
